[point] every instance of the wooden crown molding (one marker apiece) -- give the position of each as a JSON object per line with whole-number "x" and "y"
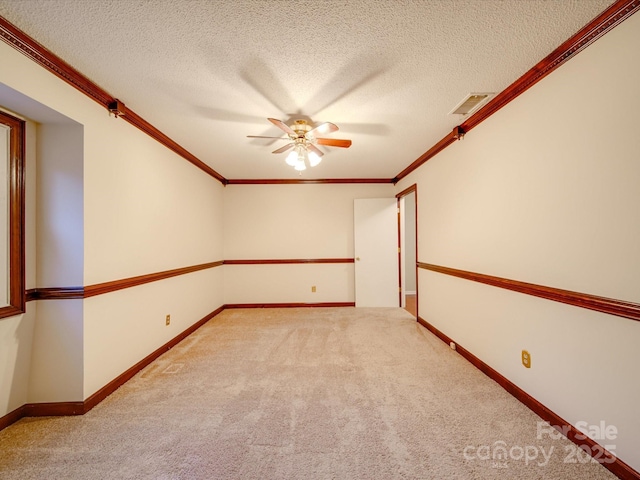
{"x": 140, "y": 123}
{"x": 283, "y": 181}
{"x": 600, "y": 454}
{"x": 44, "y": 57}
{"x": 432, "y": 152}
{"x": 609, "y": 19}
{"x": 603, "y": 23}
{"x": 22, "y": 42}
{"x": 611, "y": 306}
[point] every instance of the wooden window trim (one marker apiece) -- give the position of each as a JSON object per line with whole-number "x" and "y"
{"x": 16, "y": 216}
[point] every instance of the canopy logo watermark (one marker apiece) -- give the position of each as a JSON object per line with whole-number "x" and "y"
{"x": 583, "y": 451}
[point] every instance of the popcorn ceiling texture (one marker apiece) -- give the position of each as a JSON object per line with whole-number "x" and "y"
{"x": 331, "y": 393}
{"x": 387, "y": 72}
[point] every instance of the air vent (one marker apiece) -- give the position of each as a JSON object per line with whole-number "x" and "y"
{"x": 470, "y": 103}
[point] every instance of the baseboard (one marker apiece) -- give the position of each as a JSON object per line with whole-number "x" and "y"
{"x": 80, "y": 408}
{"x": 604, "y": 457}
{"x": 124, "y": 377}
{"x": 12, "y": 417}
{"x": 53, "y": 409}
{"x": 289, "y": 305}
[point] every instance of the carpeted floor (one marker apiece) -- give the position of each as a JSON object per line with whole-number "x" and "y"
{"x": 328, "y": 393}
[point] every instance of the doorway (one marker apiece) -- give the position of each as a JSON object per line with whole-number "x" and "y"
{"x": 376, "y": 252}
{"x": 408, "y": 248}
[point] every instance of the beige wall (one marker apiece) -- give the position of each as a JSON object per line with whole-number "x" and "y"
{"x": 111, "y": 203}
{"x": 546, "y": 191}
{"x": 291, "y": 222}
{"x": 16, "y": 332}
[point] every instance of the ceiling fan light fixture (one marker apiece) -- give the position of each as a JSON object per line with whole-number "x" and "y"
{"x": 303, "y": 142}
{"x": 314, "y": 159}
{"x": 292, "y": 158}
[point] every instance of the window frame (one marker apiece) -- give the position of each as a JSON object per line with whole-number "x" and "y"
{"x": 16, "y": 216}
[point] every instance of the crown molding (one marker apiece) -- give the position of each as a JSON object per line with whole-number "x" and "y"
{"x": 613, "y": 16}
{"x": 44, "y": 57}
{"x": 603, "y": 23}
{"x": 287, "y": 181}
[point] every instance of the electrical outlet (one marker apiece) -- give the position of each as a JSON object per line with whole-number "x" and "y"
{"x": 313, "y": 289}
{"x": 168, "y": 320}
{"x": 526, "y": 359}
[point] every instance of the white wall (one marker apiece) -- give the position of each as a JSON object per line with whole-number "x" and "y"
{"x": 291, "y": 222}
{"x": 409, "y": 235}
{"x": 546, "y": 191}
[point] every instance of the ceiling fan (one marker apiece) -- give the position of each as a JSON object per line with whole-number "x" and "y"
{"x": 303, "y": 140}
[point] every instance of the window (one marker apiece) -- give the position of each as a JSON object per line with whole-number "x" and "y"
{"x": 12, "y": 200}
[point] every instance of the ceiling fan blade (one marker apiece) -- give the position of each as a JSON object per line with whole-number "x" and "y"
{"x": 315, "y": 149}
{"x": 323, "y": 128}
{"x": 333, "y": 142}
{"x": 282, "y": 126}
{"x": 262, "y": 136}
{"x": 288, "y": 146}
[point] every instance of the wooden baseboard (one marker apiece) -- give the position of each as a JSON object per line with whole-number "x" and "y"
{"x": 124, "y": 377}
{"x": 80, "y": 408}
{"x": 607, "y": 459}
{"x": 12, "y": 417}
{"x": 289, "y": 305}
{"x": 53, "y": 409}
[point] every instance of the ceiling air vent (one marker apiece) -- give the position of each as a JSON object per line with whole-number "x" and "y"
{"x": 470, "y": 103}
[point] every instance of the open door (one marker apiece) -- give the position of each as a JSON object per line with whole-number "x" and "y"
{"x": 407, "y": 230}
{"x": 376, "y": 252}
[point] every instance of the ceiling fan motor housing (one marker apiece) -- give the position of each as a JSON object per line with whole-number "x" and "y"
{"x": 301, "y": 127}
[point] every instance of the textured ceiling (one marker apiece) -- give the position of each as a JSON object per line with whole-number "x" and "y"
{"x": 209, "y": 72}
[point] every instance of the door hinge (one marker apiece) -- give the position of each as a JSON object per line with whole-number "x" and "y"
{"x": 399, "y": 250}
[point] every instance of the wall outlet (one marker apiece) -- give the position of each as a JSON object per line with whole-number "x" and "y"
{"x": 526, "y": 359}
{"x": 167, "y": 320}
{"x": 313, "y": 289}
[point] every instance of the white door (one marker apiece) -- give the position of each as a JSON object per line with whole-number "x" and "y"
{"x": 376, "y": 252}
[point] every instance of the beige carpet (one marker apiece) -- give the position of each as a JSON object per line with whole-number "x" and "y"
{"x": 330, "y": 393}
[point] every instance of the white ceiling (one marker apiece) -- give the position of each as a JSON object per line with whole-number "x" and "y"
{"x": 209, "y": 72}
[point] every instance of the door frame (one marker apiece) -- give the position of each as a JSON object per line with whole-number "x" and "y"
{"x": 401, "y": 268}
